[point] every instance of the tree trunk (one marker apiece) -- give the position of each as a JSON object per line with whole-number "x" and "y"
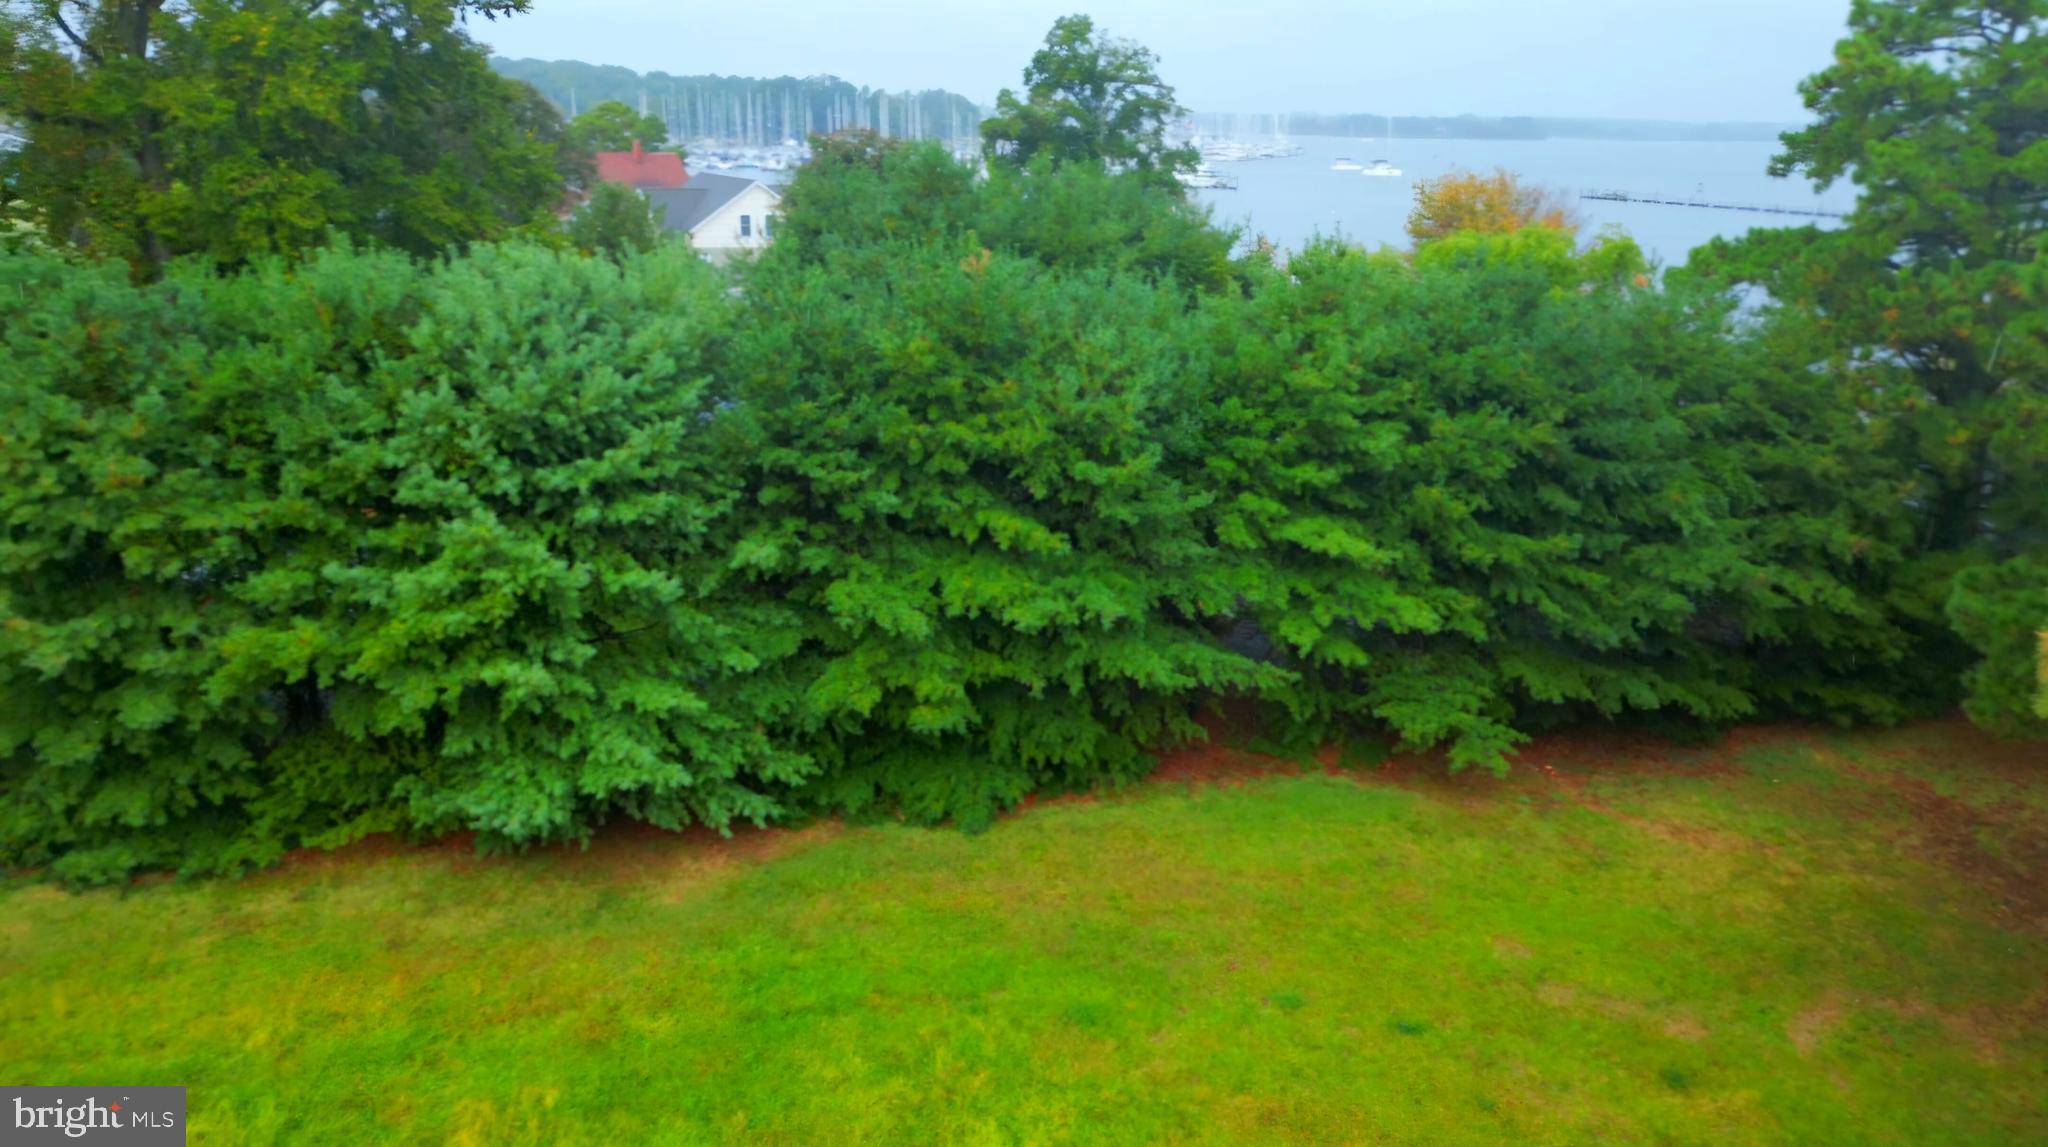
{"x": 149, "y": 151}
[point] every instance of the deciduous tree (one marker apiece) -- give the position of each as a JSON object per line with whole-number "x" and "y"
{"x": 234, "y": 128}
{"x": 612, "y": 126}
{"x": 616, "y": 222}
{"x": 1089, "y": 98}
{"x": 1490, "y": 204}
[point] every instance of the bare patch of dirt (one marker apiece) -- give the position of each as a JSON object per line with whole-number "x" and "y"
{"x": 1558, "y": 766}
{"x": 1693, "y": 835}
{"x": 1984, "y": 1030}
{"x": 1580, "y": 755}
{"x": 1509, "y": 948}
{"x": 1047, "y": 800}
{"x": 1552, "y": 768}
{"x": 1814, "y": 1024}
{"x": 1980, "y": 1030}
{"x": 1679, "y": 1026}
{"x": 1952, "y": 832}
{"x": 1567, "y": 996}
{"x": 1686, "y": 1028}
{"x": 457, "y": 848}
{"x": 628, "y": 852}
{"x": 1953, "y": 737}
{"x": 1212, "y": 763}
{"x": 678, "y": 861}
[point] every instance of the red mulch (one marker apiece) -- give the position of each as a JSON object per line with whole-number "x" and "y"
{"x": 1559, "y": 764}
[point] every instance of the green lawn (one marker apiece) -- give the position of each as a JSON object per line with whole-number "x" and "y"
{"x": 1787, "y": 937}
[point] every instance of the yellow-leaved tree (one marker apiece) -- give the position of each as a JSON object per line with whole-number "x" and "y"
{"x": 1495, "y": 203}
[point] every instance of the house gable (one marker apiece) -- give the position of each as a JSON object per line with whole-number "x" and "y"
{"x": 709, "y": 211}
{"x": 753, "y": 200}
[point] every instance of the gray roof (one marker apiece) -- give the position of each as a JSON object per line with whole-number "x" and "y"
{"x": 694, "y": 202}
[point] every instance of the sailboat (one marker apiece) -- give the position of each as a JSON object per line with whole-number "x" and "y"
{"x": 1346, "y": 163}
{"x": 1380, "y": 167}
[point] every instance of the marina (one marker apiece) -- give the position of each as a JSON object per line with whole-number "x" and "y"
{"x": 1326, "y": 189}
{"x": 1291, "y": 189}
{"x": 1204, "y": 178}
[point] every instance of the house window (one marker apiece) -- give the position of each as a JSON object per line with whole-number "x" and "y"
{"x": 746, "y": 226}
{"x": 767, "y": 226}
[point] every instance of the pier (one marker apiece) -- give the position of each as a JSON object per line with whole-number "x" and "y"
{"x": 1713, "y": 205}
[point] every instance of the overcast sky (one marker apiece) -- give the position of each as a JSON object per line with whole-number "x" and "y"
{"x": 1655, "y": 59}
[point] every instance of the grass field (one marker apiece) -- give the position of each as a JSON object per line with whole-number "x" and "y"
{"x": 1790, "y": 936}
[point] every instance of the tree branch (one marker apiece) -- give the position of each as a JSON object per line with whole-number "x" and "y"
{"x": 77, "y": 41}
{"x": 68, "y": 119}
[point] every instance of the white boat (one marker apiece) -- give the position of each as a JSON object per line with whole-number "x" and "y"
{"x": 1380, "y": 168}
{"x": 1346, "y": 163}
{"x": 1203, "y": 179}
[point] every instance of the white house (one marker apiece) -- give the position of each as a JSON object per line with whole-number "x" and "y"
{"x": 721, "y": 214}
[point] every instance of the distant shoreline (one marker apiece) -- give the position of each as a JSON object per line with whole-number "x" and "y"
{"x": 766, "y": 110}
{"x": 1537, "y": 128}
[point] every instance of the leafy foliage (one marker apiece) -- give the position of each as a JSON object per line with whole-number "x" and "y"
{"x": 861, "y": 193}
{"x": 1468, "y": 202}
{"x": 963, "y": 480}
{"x": 617, "y": 221}
{"x": 2002, "y": 610}
{"x": 966, "y": 487}
{"x": 612, "y": 126}
{"x": 1090, "y": 99}
{"x": 232, "y": 129}
{"x": 1929, "y": 308}
{"x": 1468, "y": 495}
{"x": 367, "y": 545}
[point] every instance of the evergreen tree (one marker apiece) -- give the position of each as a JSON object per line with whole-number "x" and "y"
{"x": 1461, "y": 494}
{"x": 1929, "y": 307}
{"x": 370, "y": 544}
{"x": 965, "y": 467}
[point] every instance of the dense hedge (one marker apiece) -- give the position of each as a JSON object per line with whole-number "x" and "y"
{"x": 295, "y": 555}
{"x": 966, "y": 476}
{"x": 1461, "y": 532}
{"x": 954, "y": 501}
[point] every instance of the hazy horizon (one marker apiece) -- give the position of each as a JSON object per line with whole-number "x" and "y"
{"x": 1736, "y": 61}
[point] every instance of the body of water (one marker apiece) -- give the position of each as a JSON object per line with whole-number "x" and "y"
{"x": 1291, "y": 200}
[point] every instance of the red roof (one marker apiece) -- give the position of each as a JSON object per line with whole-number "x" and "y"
{"x": 639, "y": 168}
